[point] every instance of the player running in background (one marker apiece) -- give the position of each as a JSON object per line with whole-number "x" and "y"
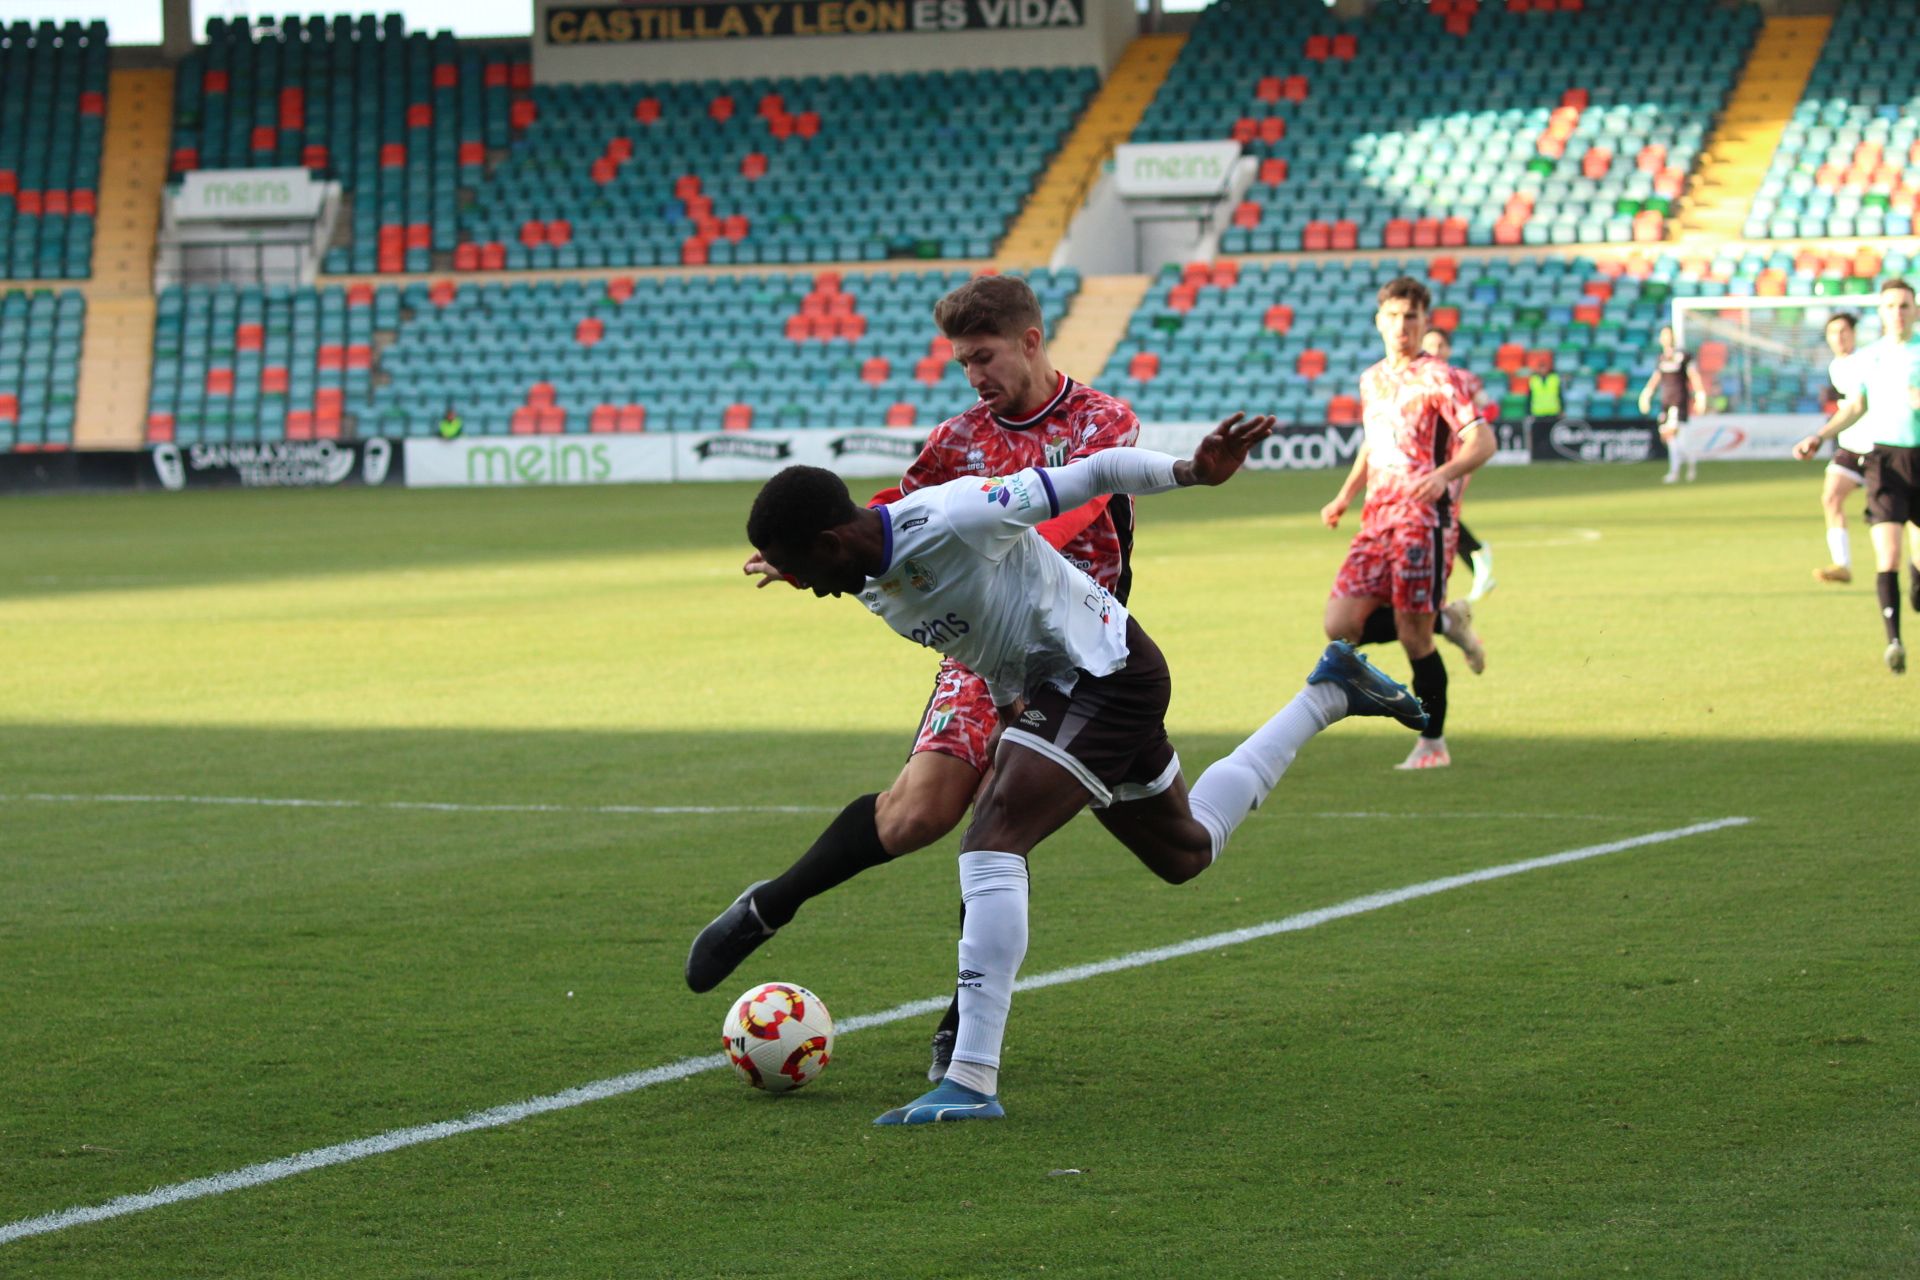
{"x": 1681, "y": 389}
{"x": 1028, "y": 414}
{"x": 1883, "y": 396}
{"x": 1424, "y": 436}
{"x": 1847, "y": 469}
{"x": 1438, "y": 343}
{"x": 1080, "y": 690}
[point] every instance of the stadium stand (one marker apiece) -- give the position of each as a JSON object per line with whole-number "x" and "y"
{"x": 546, "y": 356}
{"x": 1293, "y": 337}
{"x": 1848, "y": 162}
{"x": 403, "y": 121}
{"x": 53, "y": 103}
{"x": 454, "y": 159}
{"x": 1532, "y": 123}
{"x": 823, "y": 169}
{"x": 40, "y": 334}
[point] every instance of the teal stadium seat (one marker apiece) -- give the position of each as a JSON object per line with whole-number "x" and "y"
{"x": 53, "y": 96}
{"x": 41, "y": 333}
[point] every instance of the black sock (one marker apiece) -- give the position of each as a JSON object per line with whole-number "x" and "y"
{"x": 1430, "y": 686}
{"x": 1913, "y": 585}
{"x": 1888, "y": 586}
{"x": 1468, "y": 543}
{"x": 849, "y": 845}
{"x": 950, "y": 1020}
{"x": 1379, "y": 628}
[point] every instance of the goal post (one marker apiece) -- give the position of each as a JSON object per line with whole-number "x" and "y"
{"x": 1767, "y": 356}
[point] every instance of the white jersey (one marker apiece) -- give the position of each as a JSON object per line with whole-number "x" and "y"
{"x": 965, "y": 573}
{"x": 1844, "y": 378}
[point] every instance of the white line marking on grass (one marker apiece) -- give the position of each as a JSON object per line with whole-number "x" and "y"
{"x": 273, "y": 1170}
{"x": 646, "y": 810}
{"x": 428, "y": 806}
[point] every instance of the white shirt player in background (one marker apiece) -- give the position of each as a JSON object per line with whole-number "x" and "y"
{"x": 1847, "y": 469}
{"x": 1080, "y": 688}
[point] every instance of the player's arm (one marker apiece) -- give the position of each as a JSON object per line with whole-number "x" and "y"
{"x": 1477, "y": 444}
{"x": 1007, "y": 507}
{"x": 1646, "y": 392}
{"x": 1845, "y": 414}
{"x": 1699, "y": 385}
{"x": 1349, "y": 490}
{"x": 1118, "y": 431}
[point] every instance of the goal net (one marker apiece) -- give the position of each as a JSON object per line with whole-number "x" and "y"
{"x": 1767, "y": 356}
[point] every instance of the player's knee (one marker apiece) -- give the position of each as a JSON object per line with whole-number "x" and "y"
{"x": 1183, "y": 865}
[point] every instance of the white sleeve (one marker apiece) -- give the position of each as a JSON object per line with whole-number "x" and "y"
{"x": 990, "y": 515}
{"x": 1840, "y": 374}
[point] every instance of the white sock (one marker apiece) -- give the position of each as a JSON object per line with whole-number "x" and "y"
{"x": 1482, "y": 562}
{"x": 1675, "y": 456}
{"x": 993, "y": 942}
{"x": 1840, "y": 547}
{"x": 1233, "y": 787}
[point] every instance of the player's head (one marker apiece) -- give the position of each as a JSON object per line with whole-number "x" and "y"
{"x": 1840, "y": 332}
{"x": 999, "y": 338}
{"x": 1666, "y": 338}
{"x": 1437, "y": 343}
{"x": 1896, "y": 309}
{"x": 799, "y": 523}
{"x": 1401, "y": 316}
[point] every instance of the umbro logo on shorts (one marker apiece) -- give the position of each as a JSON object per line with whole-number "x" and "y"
{"x": 1035, "y": 716}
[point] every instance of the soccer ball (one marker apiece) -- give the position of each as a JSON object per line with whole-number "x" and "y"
{"x": 778, "y": 1036}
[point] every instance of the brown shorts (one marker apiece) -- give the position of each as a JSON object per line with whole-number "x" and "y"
{"x": 1893, "y": 484}
{"x": 1110, "y": 733}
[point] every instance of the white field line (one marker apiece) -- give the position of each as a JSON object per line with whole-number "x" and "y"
{"x": 645, "y": 810}
{"x": 342, "y": 1153}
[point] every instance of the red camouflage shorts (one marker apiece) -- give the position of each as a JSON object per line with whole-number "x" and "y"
{"x": 1405, "y": 564}
{"x": 960, "y": 718}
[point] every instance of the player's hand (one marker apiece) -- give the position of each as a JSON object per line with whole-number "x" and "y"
{"x": 1646, "y": 404}
{"x": 1432, "y": 488}
{"x": 757, "y": 564}
{"x": 1331, "y": 513}
{"x": 1807, "y": 448}
{"x": 1224, "y": 450}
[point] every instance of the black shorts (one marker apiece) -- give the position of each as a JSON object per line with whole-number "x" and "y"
{"x": 1110, "y": 733}
{"x": 1850, "y": 464}
{"x": 1675, "y": 415}
{"x": 1893, "y": 484}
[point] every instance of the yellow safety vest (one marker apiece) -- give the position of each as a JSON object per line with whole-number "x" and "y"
{"x": 1543, "y": 400}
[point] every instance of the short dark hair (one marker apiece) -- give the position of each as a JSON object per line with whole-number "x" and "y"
{"x": 1408, "y": 288}
{"x": 1847, "y": 318}
{"x": 1435, "y": 331}
{"x": 1897, "y": 283}
{"x": 797, "y": 506}
{"x": 989, "y": 306}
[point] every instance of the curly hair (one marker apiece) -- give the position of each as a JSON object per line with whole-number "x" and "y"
{"x": 798, "y": 505}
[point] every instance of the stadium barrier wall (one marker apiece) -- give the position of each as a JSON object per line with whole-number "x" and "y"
{"x": 507, "y": 462}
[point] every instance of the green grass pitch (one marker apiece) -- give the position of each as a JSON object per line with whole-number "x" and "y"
{"x": 1696, "y": 1058}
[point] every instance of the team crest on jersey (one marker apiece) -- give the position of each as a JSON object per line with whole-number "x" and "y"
{"x": 1057, "y": 453}
{"x": 920, "y": 577}
{"x": 942, "y": 717}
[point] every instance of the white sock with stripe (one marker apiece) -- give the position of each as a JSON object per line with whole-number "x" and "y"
{"x": 1840, "y": 547}
{"x": 1233, "y": 787}
{"x": 993, "y": 942}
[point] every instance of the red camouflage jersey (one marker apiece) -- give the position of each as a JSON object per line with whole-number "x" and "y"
{"x": 1483, "y": 400}
{"x": 1076, "y": 422}
{"x": 1412, "y": 416}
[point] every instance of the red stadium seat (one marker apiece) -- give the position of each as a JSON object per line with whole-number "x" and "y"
{"x": 620, "y": 288}
{"x": 159, "y": 425}
{"x": 552, "y": 420}
{"x": 1447, "y": 318}
{"x": 1344, "y": 47}
{"x": 1269, "y": 89}
{"x": 525, "y": 421}
{"x": 604, "y": 419}
{"x": 900, "y": 414}
{"x": 273, "y": 380}
{"x": 1398, "y": 234}
{"x": 1346, "y": 234}
{"x": 1273, "y": 171}
{"x": 589, "y": 331}
{"x": 1145, "y": 365}
{"x": 876, "y": 370}
{"x": 540, "y": 395}
{"x": 632, "y": 418}
{"x": 1319, "y": 48}
{"x": 1509, "y": 357}
{"x": 738, "y": 417}
{"x": 1317, "y": 235}
{"x": 1343, "y": 410}
{"x": 1278, "y": 318}
{"x": 299, "y": 424}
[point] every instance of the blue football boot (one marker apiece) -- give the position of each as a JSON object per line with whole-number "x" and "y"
{"x": 948, "y": 1101}
{"x": 1370, "y": 691}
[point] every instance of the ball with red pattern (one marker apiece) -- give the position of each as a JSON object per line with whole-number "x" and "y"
{"x": 778, "y": 1036}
